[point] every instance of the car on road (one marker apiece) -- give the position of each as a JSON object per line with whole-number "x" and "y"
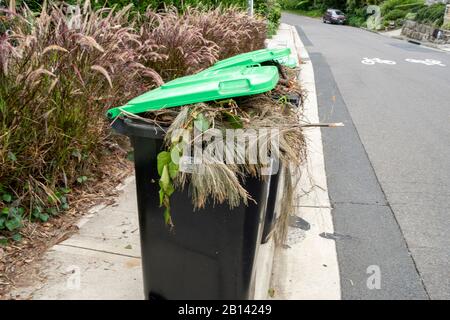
{"x": 334, "y": 16}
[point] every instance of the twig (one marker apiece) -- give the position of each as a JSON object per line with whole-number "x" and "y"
{"x": 323, "y": 125}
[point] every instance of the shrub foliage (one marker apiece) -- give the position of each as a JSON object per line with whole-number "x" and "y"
{"x": 61, "y": 69}
{"x": 58, "y": 75}
{"x": 433, "y": 14}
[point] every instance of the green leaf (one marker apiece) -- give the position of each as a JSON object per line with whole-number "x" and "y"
{"x": 175, "y": 138}
{"x": 3, "y": 242}
{"x": 161, "y": 197}
{"x": 65, "y": 206}
{"x": 51, "y": 199}
{"x": 130, "y": 155}
{"x": 35, "y": 213}
{"x": 167, "y": 217}
{"x": 81, "y": 179}
{"x": 17, "y": 237}
{"x": 173, "y": 170}
{"x": 201, "y": 123}
{"x": 283, "y": 99}
{"x": 12, "y": 156}
{"x": 2, "y": 105}
{"x": 234, "y": 120}
{"x": 167, "y": 170}
{"x": 7, "y": 197}
{"x": 13, "y": 211}
{"x": 65, "y": 190}
{"x": 2, "y": 223}
{"x": 44, "y": 217}
{"x": 177, "y": 148}
{"x": 53, "y": 211}
{"x": 14, "y": 223}
{"x": 77, "y": 154}
{"x": 170, "y": 190}
{"x": 5, "y": 211}
{"x": 163, "y": 159}
{"x": 164, "y": 182}
{"x": 167, "y": 190}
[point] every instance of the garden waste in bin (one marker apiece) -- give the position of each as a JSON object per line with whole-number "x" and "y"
{"x": 210, "y": 253}
{"x": 269, "y": 56}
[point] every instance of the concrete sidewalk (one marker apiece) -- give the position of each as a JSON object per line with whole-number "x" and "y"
{"x": 102, "y": 261}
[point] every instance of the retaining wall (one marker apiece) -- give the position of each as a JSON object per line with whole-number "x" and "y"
{"x": 423, "y": 32}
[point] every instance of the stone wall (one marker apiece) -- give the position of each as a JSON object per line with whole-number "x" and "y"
{"x": 423, "y": 32}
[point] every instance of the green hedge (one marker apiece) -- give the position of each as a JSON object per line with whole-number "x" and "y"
{"x": 296, "y": 5}
{"x": 390, "y": 5}
{"x": 356, "y": 21}
{"x": 433, "y": 14}
{"x": 270, "y": 9}
{"x": 395, "y": 14}
{"x": 410, "y": 7}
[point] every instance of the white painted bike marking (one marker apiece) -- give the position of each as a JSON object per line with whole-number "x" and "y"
{"x": 372, "y": 61}
{"x": 427, "y": 62}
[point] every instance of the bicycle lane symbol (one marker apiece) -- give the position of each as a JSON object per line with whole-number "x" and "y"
{"x": 372, "y": 61}
{"x": 427, "y": 62}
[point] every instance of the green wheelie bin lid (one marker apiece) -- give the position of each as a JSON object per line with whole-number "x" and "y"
{"x": 252, "y": 58}
{"x": 205, "y": 86}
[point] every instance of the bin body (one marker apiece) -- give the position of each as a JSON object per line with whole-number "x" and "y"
{"x": 270, "y": 219}
{"x": 210, "y": 253}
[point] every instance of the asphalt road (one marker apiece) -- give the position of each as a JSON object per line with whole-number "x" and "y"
{"x": 388, "y": 169}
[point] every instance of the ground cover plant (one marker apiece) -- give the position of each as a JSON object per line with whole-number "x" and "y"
{"x": 57, "y": 77}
